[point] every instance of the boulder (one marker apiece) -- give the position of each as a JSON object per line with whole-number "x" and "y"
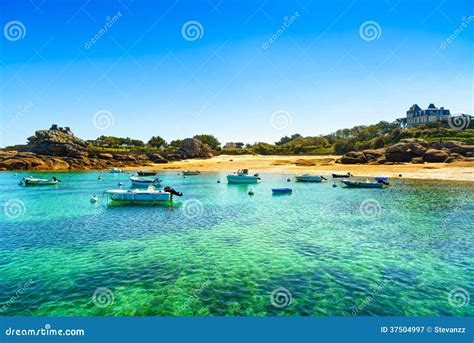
{"x": 399, "y": 147}
{"x": 192, "y": 148}
{"x": 462, "y": 149}
{"x": 157, "y": 158}
{"x": 417, "y": 160}
{"x": 399, "y": 156}
{"x": 353, "y": 157}
{"x": 106, "y": 156}
{"x": 434, "y": 155}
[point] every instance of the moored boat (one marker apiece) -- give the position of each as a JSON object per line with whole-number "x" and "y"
{"x": 281, "y": 190}
{"x": 149, "y": 195}
{"x": 310, "y": 178}
{"x": 116, "y": 170}
{"x": 335, "y": 176}
{"x": 242, "y": 176}
{"x": 31, "y": 181}
{"x": 191, "y": 172}
{"x": 146, "y": 173}
{"x": 144, "y": 182}
{"x": 360, "y": 184}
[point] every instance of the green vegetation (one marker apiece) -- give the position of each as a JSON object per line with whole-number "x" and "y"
{"x": 340, "y": 142}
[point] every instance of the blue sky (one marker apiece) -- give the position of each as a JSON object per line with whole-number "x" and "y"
{"x": 321, "y": 72}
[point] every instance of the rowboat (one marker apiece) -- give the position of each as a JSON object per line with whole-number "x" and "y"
{"x": 150, "y": 195}
{"x": 31, "y": 181}
{"x": 242, "y": 176}
{"x": 191, "y": 172}
{"x": 310, "y": 178}
{"x": 335, "y": 176}
{"x": 146, "y": 173}
{"x": 144, "y": 182}
{"x": 360, "y": 184}
{"x": 281, "y": 190}
{"x": 116, "y": 170}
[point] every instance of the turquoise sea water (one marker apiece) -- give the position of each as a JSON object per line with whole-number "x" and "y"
{"x": 406, "y": 250}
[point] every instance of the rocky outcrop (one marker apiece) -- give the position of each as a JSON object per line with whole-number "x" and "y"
{"x": 412, "y": 150}
{"x": 57, "y": 141}
{"x": 192, "y": 148}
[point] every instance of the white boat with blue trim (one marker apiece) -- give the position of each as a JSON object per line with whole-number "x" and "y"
{"x": 242, "y": 176}
{"x": 144, "y": 182}
{"x": 309, "y": 178}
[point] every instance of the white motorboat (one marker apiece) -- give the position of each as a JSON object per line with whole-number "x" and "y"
{"x": 144, "y": 182}
{"x": 242, "y": 176}
{"x": 141, "y": 195}
{"x": 309, "y": 178}
{"x": 31, "y": 181}
{"x": 116, "y": 170}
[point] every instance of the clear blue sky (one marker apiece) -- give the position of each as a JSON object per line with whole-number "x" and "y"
{"x": 319, "y": 69}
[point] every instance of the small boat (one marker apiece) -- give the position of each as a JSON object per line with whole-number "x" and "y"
{"x": 144, "y": 182}
{"x": 116, "y": 170}
{"x": 242, "y": 176}
{"x": 335, "y": 176}
{"x": 360, "y": 184}
{"x": 191, "y": 172}
{"x": 94, "y": 199}
{"x": 310, "y": 178}
{"x": 281, "y": 190}
{"x": 31, "y": 181}
{"x": 146, "y": 173}
{"x": 149, "y": 195}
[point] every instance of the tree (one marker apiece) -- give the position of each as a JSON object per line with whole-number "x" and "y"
{"x": 287, "y": 139}
{"x": 210, "y": 140}
{"x": 156, "y": 142}
{"x": 176, "y": 143}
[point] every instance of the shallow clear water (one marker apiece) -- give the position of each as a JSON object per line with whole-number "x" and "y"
{"x": 406, "y": 250}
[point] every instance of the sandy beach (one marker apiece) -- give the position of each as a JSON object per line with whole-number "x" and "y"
{"x": 324, "y": 165}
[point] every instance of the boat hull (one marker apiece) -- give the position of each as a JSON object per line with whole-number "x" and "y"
{"x": 281, "y": 190}
{"x": 146, "y": 173}
{"x": 138, "y": 196}
{"x": 38, "y": 182}
{"x": 242, "y": 179}
{"x": 140, "y": 182}
{"x": 308, "y": 178}
{"x": 356, "y": 184}
{"x": 189, "y": 173}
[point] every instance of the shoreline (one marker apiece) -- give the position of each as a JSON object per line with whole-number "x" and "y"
{"x": 324, "y": 165}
